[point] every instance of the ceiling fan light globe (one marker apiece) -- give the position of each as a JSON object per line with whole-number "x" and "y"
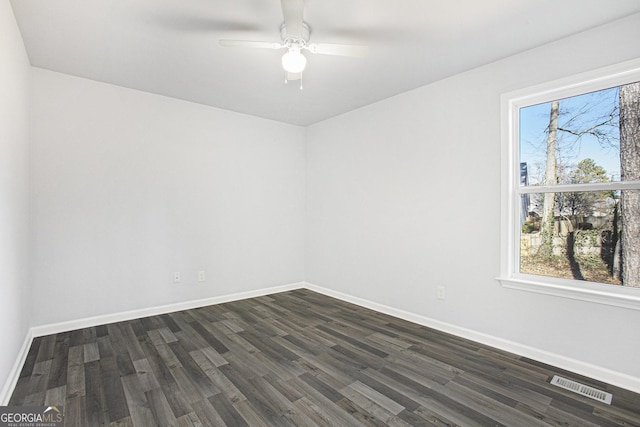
{"x": 294, "y": 62}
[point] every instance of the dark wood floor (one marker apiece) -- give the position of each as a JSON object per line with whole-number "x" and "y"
{"x": 297, "y": 359}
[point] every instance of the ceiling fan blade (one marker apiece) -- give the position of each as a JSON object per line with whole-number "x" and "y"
{"x": 251, "y": 44}
{"x": 358, "y": 51}
{"x": 194, "y": 24}
{"x": 292, "y": 10}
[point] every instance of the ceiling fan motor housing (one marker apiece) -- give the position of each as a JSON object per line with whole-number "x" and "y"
{"x": 288, "y": 40}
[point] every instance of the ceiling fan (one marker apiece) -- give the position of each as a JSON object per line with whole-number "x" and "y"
{"x": 295, "y": 34}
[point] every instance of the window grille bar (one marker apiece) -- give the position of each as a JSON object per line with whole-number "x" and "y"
{"x": 571, "y": 188}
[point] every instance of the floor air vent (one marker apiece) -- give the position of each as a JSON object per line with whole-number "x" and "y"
{"x": 584, "y": 390}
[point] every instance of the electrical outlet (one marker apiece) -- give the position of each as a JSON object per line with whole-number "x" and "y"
{"x": 176, "y": 277}
{"x": 200, "y": 276}
{"x": 441, "y": 293}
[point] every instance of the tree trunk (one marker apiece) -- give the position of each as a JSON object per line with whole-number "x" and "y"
{"x": 630, "y": 171}
{"x": 550, "y": 178}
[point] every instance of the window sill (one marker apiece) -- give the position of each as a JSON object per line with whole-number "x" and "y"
{"x": 578, "y": 290}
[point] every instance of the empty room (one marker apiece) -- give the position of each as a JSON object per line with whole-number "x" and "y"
{"x": 332, "y": 213}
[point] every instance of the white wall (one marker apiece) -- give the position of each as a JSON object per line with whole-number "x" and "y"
{"x": 14, "y": 184}
{"x": 404, "y": 196}
{"x": 129, "y": 187}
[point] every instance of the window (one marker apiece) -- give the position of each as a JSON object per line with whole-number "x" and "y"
{"x": 571, "y": 187}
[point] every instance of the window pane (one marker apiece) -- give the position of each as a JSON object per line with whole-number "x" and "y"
{"x": 584, "y": 240}
{"x": 582, "y": 135}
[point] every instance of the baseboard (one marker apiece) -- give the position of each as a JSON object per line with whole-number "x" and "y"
{"x": 42, "y": 330}
{"x": 14, "y": 374}
{"x": 596, "y": 372}
{"x": 582, "y": 368}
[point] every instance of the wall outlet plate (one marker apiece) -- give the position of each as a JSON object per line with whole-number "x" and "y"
{"x": 201, "y": 276}
{"x": 176, "y": 277}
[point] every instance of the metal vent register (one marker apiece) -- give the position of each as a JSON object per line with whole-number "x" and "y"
{"x": 584, "y": 390}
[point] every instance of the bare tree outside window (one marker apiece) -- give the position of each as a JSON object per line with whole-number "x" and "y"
{"x": 588, "y": 141}
{"x": 630, "y": 171}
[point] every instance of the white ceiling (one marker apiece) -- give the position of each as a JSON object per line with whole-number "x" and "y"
{"x": 169, "y": 47}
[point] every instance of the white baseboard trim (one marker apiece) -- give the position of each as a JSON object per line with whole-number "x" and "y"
{"x": 56, "y": 328}
{"x": 582, "y": 368}
{"x": 596, "y": 372}
{"x": 14, "y": 374}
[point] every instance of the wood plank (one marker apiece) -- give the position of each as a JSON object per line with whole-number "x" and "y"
{"x": 141, "y": 414}
{"x": 168, "y": 320}
{"x": 144, "y": 374}
{"x": 323, "y": 408}
{"x": 216, "y": 358}
{"x": 227, "y": 412}
{"x": 167, "y": 335}
{"x": 320, "y": 416}
{"x": 91, "y": 352}
{"x": 329, "y": 392}
{"x": 75, "y": 412}
{"x": 56, "y": 396}
{"x": 250, "y": 414}
{"x": 378, "y": 411}
{"x": 39, "y": 378}
{"x": 113, "y": 390}
{"x": 75, "y": 381}
{"x": 266, "y": 401}
{"x": 58, "y": 373}
{"x": 46, "y": 348}
{"x": 386, "y": 391}
{"x": 207, "y": 415}
{"x": 189, "y": 420}
{"x": 125, "y": 422}
{"x": 210, "y": 338}
{"x": 95, "y": 399}
{"x": 160, "y": 408}
{"x": 32, "y": 356}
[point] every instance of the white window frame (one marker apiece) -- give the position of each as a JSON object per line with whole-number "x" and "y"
{"x": 511, "y": 102}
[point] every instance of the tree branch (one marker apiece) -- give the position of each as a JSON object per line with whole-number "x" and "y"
{"x": 593, "y": 130}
